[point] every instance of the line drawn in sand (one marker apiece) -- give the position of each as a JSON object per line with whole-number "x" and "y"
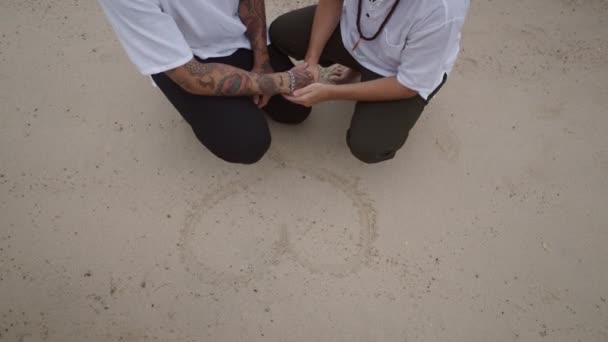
{"x": 278, "y": 236}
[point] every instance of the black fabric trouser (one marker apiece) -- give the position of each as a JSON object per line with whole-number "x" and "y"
{"x": 234, "y": 128}
{"x": 378, "y": 129}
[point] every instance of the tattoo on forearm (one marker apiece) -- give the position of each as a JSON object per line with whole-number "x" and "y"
{"x": 206, "y": 82}
{"x": 233, "y": 84}
{"x": 268, "y": 86}
{"x": 266, "y": 67}
{"x": 221, "y": 80}
{"x": 253, "y": 15}
{"x": 196, "y": 68}
{"x": 202, "y": 73}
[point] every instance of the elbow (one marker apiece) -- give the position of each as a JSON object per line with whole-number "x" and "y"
{"x": 409, "y": 93}
{"x": 188, "y": 85}
{"x": 184, "y": 80}
{"x": 406, "y": 92}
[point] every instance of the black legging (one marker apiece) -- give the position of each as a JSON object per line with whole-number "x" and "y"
{"x": 233, "y": 128}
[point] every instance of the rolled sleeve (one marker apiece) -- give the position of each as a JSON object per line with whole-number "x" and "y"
{"x": 423, "y": 59}
{"x": 150, "y": 37}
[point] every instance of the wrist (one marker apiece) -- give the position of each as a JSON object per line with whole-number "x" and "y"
{"x": 312, "y": 58}
{"x": 270, "y": 84}
{"x": 260, "y": 57}
{"x": 260, "y": 53}
{"x": 284, "y": 82}
{"x": 332, "y": 92}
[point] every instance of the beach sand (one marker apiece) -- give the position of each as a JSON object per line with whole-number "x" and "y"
{"x": 490, "y": 225}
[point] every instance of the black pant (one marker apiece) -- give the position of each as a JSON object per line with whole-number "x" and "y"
{"x": 233, "y": 128}
{"x": 378, "y": 129}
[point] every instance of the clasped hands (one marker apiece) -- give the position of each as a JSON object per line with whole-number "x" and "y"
{"x": 311, "y": 92}
{"x": 308, "y": 91}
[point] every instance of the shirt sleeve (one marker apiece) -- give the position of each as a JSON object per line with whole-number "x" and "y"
{"x": 150, "y": 37}
{"x": 424, "y": 57}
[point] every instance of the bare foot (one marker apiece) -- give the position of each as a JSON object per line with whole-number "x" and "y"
{"x": 343, "y": 75}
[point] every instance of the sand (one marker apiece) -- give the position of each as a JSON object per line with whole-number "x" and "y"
{"x": 490, "y": 225}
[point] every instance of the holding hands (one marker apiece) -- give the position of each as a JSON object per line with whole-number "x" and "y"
{"x": 301, "y": 76}
{"x": 311, "y": 93}
{"x": 299, "y": 85}
{"x": 285, "y": 83}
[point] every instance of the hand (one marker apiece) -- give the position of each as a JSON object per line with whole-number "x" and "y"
{"x": 315, "y": 70}
{"x": 311, "y": 94}
{"x": 303, "y": 76}
{"x": 263, "y": 67}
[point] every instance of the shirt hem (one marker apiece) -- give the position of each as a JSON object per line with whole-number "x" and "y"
{"x": 404, "y": 82}
{"x": 220, "y": 51}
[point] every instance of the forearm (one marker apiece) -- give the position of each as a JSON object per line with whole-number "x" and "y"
{"x": 327, "y": 17}
{"x": 215, "y": 79}
{"x": 253, "y": 15}
{"x": 382, "y": 89}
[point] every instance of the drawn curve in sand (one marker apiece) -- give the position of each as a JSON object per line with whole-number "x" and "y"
{"x": 360, "y": 254}
{"x": 281, "y": 243}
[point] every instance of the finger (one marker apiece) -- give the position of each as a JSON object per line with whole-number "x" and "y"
{"x": 335, "y": 76}
{"x": 301, "y": 66}
{"x": 303, "y": 99}
{"x": 293, "y": 99}
{"x": 302, "y": 91}
{"x": 264, "y": 101}
{"x": 339, "y": 68}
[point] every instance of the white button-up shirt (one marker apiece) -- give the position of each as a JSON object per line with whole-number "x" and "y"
{"x": 160, "y": 35}
{"x": 419, "y": 44}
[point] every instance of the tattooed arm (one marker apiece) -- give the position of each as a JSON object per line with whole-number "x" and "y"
{"x": 253, "y": 15}
{"x": 224, "y": 80}
{"x": 213, "y": 79}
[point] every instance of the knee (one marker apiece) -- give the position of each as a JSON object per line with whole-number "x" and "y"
{"x": 289, "y": 113}
{"x": 290, "y": 120}
{"x": 273, "y": 30}
{"x": 298, "y": 118}
{"x": 277, "y": 30}
{"x": 285, "y": 24}
{"x": 290, "y": 30}
{"x": 240, "y": 150}
{"x": 249, "y": 152}
{"x": 369, "y": 151}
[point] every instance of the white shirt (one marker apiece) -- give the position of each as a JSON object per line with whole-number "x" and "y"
{"x": 161, "y": 35}
{"x": 419, "y": 44}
